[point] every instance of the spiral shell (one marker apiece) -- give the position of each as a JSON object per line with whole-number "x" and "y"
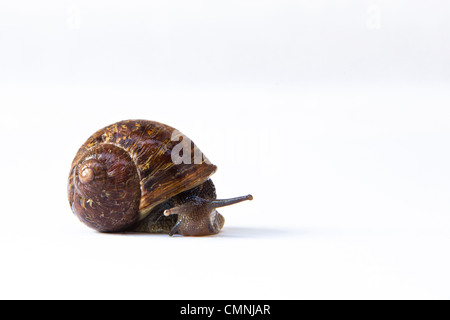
{"x": 124, "y": 170}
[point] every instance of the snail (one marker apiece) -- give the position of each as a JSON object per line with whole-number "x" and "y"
{"x": 129, "y": 176}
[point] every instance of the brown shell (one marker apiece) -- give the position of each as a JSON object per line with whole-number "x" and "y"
{"x": 149, "y": 145}
{"x": 106, "y": 189}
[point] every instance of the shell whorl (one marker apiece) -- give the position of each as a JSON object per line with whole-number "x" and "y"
{"x": 151, "y": 175}
{"x": 106, "y": 189}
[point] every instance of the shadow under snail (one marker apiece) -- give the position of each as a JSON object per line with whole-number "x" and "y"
{"x": 128, "y": 177}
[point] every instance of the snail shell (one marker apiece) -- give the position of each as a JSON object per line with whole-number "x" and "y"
{"x": 123, "y": 178}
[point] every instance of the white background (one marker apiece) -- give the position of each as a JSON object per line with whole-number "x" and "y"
{"x": 335, "y": 115}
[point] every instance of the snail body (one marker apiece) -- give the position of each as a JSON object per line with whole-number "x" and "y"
{"x": 125, "y": 178}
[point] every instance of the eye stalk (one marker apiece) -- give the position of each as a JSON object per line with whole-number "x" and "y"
{"x": 210, "y": 204}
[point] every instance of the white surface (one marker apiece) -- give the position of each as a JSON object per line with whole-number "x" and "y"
{"x": 334, "y": 115}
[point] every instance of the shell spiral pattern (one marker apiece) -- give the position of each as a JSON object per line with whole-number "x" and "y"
{"x": 125, "y": 170}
